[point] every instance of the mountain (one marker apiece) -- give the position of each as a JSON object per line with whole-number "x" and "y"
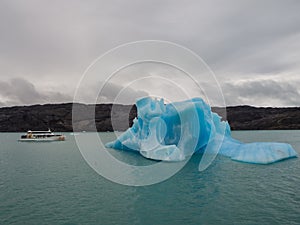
{"x": 58, "y": 117}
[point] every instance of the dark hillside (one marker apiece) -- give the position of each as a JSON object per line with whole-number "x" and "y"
{"x": 58, "y": 117}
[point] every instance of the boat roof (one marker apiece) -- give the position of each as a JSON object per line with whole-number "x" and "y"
{"x": 30, "y": 131}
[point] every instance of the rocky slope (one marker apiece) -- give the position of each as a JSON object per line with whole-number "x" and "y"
{"x": 58, "y": 117}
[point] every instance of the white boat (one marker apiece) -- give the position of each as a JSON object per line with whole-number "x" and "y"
{"x": 40, "y": 136}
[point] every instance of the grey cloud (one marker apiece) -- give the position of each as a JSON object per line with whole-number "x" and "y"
{"x": 262, "y": 92}
{"x": 119, "y": 94}
{"x": 19, "y": 91}
{"x": 24, "y": 91}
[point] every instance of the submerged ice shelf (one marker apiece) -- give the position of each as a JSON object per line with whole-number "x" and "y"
{"x": 175, "y": 131}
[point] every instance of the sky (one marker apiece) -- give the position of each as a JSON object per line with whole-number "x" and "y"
{"x": 252, "y": 47}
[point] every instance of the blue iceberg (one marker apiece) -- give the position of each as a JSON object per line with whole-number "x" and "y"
{"x": 175, "y": 131}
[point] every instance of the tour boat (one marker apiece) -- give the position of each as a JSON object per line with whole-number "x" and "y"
{"x": 42, "y": 136}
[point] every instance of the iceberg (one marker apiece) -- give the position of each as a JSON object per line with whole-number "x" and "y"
{"x": 175, "y": 131}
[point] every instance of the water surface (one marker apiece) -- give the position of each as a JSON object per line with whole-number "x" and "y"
{"x": 50, "y": 183}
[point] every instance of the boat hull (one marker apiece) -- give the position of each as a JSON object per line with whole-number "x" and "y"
{"x": 47, "y": 139}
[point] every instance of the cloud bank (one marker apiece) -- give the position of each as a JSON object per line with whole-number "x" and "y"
{"x": 49, "y": 44}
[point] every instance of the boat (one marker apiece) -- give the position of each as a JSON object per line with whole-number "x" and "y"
{"x": 40, "y": 136}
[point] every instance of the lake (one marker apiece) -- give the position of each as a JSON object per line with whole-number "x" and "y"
{"x": 50, "y": 183}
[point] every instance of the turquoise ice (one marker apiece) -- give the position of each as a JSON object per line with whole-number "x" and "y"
{"x": 175, "y": 131}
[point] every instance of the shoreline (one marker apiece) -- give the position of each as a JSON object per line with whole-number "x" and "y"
{"x": 58, "y": 117}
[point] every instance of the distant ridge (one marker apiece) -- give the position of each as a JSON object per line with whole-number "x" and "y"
{"x": 58, "y": 117}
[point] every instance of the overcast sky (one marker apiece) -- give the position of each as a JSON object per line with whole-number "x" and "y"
{"x": 253, "y": 47}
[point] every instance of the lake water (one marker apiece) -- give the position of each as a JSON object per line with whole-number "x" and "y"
{"x": 50, "y": 183}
